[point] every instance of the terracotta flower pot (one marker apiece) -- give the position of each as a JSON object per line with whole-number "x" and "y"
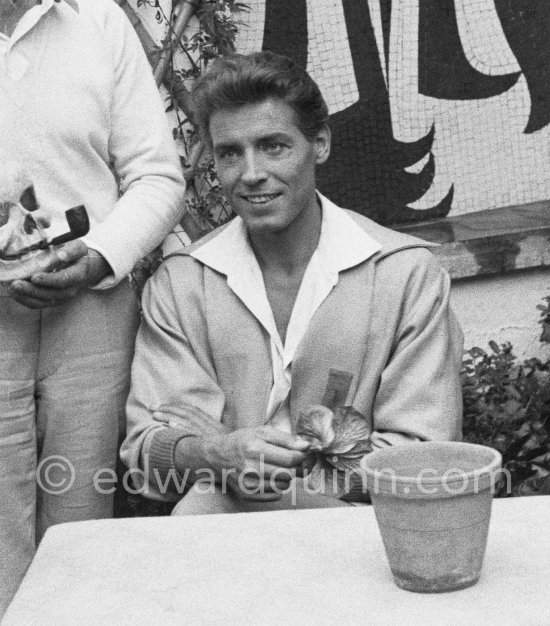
{"x": 433, "y": 504}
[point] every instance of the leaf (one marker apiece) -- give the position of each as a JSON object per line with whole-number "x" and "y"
{"x": 513, "y": 409}
{"x": 545, "y": 486}
{"x": 309, "y": 462}
{"x": 313, "y": 471}
{"x": 350, "y": 429}
{"x": 528, "y": 487}
{"x": 341, "y": 440}
{"x": 542, "y": 461}
{"x": 477, "y": 352}
{"x": 545, "y": 334}
{"x": 316, "y": 425}
{"x": 523, "y": 430}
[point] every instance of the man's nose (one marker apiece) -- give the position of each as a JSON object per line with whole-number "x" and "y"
{"x": 254, "y": 170}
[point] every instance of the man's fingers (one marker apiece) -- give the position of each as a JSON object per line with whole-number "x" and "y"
{"x": 37, "y": 297}
{"x": 270, "y": 446}
{"x": 281, "y": 457}
{"x": 72, "y": 268}
{"x": 269, "y": 471}
{"x": 29, "y": 302}
{"x": 71, "y": 251}
{"x": 65, "y": 278}
{"x": 66, "y": 254}
{"x": 301, "y": 471}
{"x": 285, "y": 440}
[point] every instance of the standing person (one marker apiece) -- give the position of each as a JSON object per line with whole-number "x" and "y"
{"x": 296, "y": 303}
{"x": 79, "y": 110}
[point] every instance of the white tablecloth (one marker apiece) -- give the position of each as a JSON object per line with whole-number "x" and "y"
{"x": 291, "y": 567}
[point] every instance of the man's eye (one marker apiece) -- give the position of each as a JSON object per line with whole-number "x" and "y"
{"x": 273, "y": 147}
{"x": 227, "y": 155}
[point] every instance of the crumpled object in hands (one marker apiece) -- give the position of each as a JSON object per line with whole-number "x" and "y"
{"x": 339, "y": 441}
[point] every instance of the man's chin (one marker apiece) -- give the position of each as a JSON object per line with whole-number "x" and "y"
{"x": 262, "y": 223}
{"x": 264, "y": 229}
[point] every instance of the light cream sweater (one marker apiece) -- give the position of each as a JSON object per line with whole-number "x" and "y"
{"x": 383, "y": 341}
{"x": 85, "y": 117}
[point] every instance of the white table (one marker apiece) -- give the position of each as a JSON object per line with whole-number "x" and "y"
{"x": 291, "y": 567}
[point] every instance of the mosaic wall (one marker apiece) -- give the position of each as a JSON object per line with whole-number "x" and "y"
{"x": 438, "y": 107}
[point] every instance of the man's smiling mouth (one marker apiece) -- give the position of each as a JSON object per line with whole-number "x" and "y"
{"x": 261, "y": 199}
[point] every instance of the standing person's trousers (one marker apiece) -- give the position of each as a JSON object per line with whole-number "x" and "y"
{"x": 64, "y": 376}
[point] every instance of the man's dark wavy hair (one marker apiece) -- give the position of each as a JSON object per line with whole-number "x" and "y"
{"x": 239, "y": 79}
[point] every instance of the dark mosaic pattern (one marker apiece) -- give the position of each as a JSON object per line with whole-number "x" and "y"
{"x": 438, "y": 107}
{"x": 526, "y": 24}
{"x": 444, "y": 70}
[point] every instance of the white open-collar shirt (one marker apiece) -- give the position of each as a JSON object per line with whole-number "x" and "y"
{"x": 16, "y": 62}
{"x": 342, "y": 245}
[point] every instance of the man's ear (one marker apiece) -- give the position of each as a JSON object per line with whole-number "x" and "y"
{"x": 322, "y": 145}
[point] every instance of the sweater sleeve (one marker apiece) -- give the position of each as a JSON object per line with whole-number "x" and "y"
{"x": 143, "y": 155}
{"x": 419, "y": 395}
{"x": 173, "y": 380}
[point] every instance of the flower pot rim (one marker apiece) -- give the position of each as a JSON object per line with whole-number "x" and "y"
{"x": 385, "y": 475}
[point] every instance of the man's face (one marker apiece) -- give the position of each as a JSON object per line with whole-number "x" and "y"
{"x": 265, "y": 164}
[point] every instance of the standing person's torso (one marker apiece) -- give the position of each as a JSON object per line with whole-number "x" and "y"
{"x": 56, "y": 81}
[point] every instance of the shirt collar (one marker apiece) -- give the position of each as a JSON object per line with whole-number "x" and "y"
{"x": 225, "y": 252}
{"x": 342, "y": 244}
{"x": 72, "y": 3}
{"x": 34, "y": 15}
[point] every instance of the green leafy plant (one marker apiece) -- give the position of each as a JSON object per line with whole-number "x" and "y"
{"x": 218, "y": 27}
{"x": 218, "y": 24}
{"x": 544, "y": 320}
{"x": 507, "y": 407}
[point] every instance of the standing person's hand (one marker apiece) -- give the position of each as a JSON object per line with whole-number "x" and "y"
{"x": 74, "y": 268}
{"x": 259, "y": 463}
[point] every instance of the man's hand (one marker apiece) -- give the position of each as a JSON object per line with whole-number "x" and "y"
{"x": 258, "y": 463}
{"x": 74, "y": 267}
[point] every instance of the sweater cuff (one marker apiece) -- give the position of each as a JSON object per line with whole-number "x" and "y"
{"x": 162, "y": 456}
{"x": 117, "y": 270}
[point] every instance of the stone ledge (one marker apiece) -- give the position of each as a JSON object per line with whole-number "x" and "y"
{"x": 490, "y": 242}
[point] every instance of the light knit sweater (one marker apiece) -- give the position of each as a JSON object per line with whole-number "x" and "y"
{"x": 384, "y": 341}
{"x": 86, "y": 105}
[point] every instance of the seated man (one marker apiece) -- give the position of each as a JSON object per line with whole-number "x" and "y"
{"x": 294, "y": 303}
